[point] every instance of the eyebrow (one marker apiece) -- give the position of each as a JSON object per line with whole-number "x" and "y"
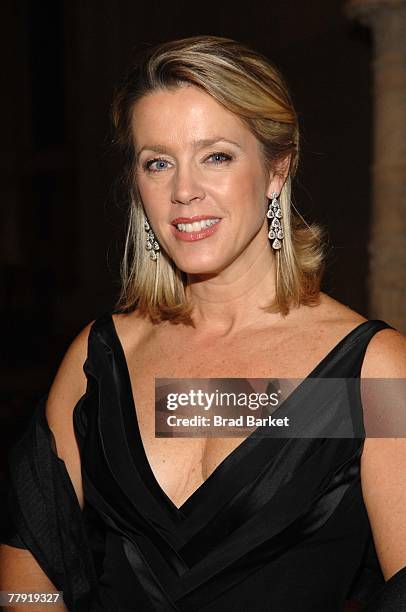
{"x": 196, "y": 144}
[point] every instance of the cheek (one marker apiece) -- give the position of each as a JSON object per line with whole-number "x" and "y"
{"x": 152, "y": 195}
{"x": 249, "y": 189}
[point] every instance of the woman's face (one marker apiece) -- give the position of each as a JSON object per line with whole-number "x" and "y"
{"x": 196, "y": 159}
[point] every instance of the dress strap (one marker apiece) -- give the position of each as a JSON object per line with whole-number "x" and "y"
{"x": 353, "y": 351}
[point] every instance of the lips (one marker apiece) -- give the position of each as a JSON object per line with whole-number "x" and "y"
{"x": 196, "y": 235}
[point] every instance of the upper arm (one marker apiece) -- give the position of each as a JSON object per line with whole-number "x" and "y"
{"x": 19, "y": 570}
{"x": 383, "y": 462}
{"x": 67, "y": 388}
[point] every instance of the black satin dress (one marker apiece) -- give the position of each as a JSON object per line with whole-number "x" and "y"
{"x": 279, "y": 526}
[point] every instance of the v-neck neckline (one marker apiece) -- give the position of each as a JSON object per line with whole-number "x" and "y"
{"x": 238, "y": 450}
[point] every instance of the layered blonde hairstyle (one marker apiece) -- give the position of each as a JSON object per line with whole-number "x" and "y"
{"x": 246, "y": 83}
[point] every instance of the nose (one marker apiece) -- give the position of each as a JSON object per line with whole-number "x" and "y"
{"x": 186, "y": 186}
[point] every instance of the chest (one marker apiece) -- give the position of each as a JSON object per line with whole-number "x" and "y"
{"x": 181, "y": 465}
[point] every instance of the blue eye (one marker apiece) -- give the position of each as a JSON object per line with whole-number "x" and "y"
{"x": 160, "y": 164}
{"x": 219, "y": 157}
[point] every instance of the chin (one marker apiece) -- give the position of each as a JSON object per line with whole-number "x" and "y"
{"x": 200, "y": 265}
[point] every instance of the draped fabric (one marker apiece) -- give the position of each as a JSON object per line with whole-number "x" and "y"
{"x": 391, "y": 597}
{"x": 279, "y": 525}
{"x": 45, "y": 516}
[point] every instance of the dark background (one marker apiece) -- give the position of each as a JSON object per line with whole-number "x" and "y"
{"x": 62, "y": 217}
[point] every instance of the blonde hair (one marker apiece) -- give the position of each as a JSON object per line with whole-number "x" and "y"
{"x": 246, "y": 83}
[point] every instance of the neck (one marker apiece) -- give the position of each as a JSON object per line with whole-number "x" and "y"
{"x": 231, "y": 300}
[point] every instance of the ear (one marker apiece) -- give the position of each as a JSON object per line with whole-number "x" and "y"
{"x": 278, "y": 175}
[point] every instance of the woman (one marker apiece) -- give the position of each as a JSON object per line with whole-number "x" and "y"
{"x": 221, "y": 278}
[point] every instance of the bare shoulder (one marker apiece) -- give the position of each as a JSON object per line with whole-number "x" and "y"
{"x": 67, "y": 388}
{"x": 385, "y": 356}
{"x": 70, "y": 380}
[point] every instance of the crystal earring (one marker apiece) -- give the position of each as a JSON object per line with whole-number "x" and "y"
{"x": 275, "y": 231}
{"x": 151, "y": 244}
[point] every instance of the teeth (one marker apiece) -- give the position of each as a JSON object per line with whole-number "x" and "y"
{"x": 196, "y": 226}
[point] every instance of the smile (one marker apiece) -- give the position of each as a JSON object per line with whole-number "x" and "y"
{"x": 196, "y": 230}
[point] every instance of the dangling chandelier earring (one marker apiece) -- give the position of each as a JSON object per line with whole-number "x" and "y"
{"x": 151, "y": 244}
{"x": 275, "y": 231}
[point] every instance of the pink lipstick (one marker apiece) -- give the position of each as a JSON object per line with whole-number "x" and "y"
{"x": 191, "y": 236}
